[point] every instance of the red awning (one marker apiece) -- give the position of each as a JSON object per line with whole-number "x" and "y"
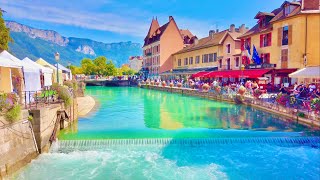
{"x": 248, "y": 73}
{"x": 199, "y": 74}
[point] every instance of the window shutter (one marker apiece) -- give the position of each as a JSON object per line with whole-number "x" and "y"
{"x": 242, "y": 44}
{"x": 269, "y": 39}
{"x": 261, "y": 40}
{"x": 290, "y": 34}
{"x": 279, "y": 36}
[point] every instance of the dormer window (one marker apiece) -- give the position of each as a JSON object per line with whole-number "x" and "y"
{"x": 262, "y": 22}
{"x": 287, "y": 10}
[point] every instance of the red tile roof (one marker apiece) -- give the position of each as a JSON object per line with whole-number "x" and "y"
{"x": 138, "y": 57}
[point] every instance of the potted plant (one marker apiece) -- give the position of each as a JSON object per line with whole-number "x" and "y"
{"x": 217, "y": 89}
{"x": 205, "y": 87}
{"x": 241, "y": 90}
{"x": 164, "y": 84}
{"x": 152, "y": 82}
{"x": 179, "y": 85}
{"x": 171, "y": 84}
{"x": 157, "y": 83}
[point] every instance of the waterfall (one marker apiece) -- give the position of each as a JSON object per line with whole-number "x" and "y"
{"x": 69, "y": 145}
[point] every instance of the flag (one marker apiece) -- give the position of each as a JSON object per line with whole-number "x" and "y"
{"x": 247, "y": 47}
{"x": 255, "y": 56}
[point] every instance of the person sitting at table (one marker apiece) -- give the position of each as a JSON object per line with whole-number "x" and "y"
{"x": 283, "y": 89}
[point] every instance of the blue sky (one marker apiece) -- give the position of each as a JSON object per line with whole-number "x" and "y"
{"x": 120, "y": 20}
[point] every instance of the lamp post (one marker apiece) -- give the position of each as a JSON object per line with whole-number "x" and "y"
{"x": 57, "y": 57}
{"x": 70, "y": 73}
{"x": 242, "y": 66}
{"x": 171, "y": 74}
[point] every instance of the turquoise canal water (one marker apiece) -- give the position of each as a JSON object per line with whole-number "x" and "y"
{"x": 145, "y": 134}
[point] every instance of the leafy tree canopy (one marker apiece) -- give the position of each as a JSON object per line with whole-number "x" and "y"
{"x": 4, "y": 34}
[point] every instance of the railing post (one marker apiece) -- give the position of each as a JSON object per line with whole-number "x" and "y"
{"x": 36, "y": 99}
{"x": 29, "y": 100}
{"x": 25, "y": 99}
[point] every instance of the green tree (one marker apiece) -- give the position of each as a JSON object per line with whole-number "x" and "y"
{"x": 100, "y": 65}
{"x": 126, "y": 70}
{"x": 75, "y": 69}
{"x": 111, "y": 69}
{"x": 4, "y": 34}
{"x": 87, "y": 66}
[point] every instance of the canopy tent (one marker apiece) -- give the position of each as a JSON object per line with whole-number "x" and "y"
{"x": 6, "y": 66}
{"x": 46, "y": 64}
{"x": 307, "y": 72}
{"x": 31, "y": 76}
{"x": 46, "y": 72}
{"x": 238, "y": 73}
{"x": 11, "y": 73}
{"x": 65, "y": 70}
{"x": 199, "y": 74}
{"x": 7, "y": 62}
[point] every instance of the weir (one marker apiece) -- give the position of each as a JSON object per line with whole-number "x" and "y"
{"x": 69, "y": 145}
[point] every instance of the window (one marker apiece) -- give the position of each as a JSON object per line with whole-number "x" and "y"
{"x": 228, "y": 48}
{"x": 185, "y": 61}
{"x": 215, "y": 57}
{"x": 237, "y": 61}
{"x": 262, "y": 22}
{"x": 157, "y": 49}
{"x": 205, "y": 58}
{"x": 265, "y": 40}
{"x": 197, "y": 59}
{"x": 285, "y": 34}
{"x": 179, "y": 62}
{"x": 220, "y": 63}
{"x": 228, "y": 64}
{"x": 211, "y": 57}
{"x": 190, "y": 60}
{"x": 265, "y": 58}
{"x": 287, "y": 10}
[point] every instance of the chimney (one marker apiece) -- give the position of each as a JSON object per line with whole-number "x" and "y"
{"x": 170, "y": 18}
{"x": 211, "y": 33}
{"x": 310, "y": 5}
{"x": 232, "y": 28}
{"x": 195, "y": 40}
{"x": 242, "y": 28}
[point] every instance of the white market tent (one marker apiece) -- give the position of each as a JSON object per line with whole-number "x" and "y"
{"x": 307, "y": 72}
{"x": 6, "y": 65}
{"x": 65, "y": 71}
{"x": 31, "y": 76}
{"x": 31, "y": 73}
{"x": 6, "y": 62}
{"x": 46, "y": 72}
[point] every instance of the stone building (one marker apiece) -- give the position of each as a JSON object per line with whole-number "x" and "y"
{"x": 135, "y": 62}
{"x": 160, "y": 43}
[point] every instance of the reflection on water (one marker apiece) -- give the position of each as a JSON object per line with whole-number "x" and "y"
{"x": 141, "y": 113}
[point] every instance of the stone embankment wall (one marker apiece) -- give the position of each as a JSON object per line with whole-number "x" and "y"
{"x": 44, "y": 121}
{"x": 17, "y": 146}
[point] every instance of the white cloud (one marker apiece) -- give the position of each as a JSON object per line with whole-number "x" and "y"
{"x": 122, "y": 19}
{"x": 75, "y": 17}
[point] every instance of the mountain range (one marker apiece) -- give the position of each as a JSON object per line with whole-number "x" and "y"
{"x": 35, "y": 43}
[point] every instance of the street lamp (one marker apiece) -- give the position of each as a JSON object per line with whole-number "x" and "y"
{"x": 70, "y": 73}
{"x": 57, "y": 57}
